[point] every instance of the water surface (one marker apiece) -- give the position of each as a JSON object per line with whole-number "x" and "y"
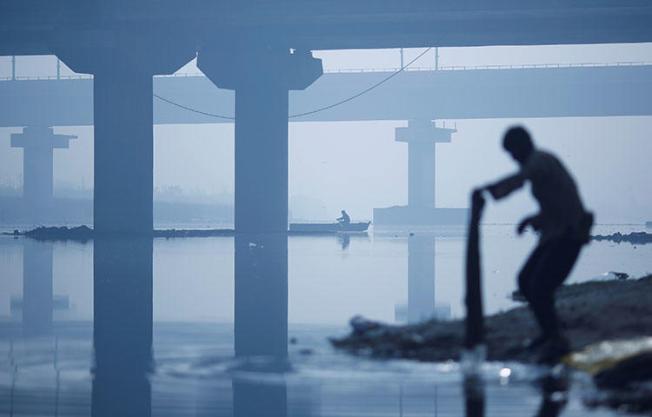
{"x": 239, "y": 326}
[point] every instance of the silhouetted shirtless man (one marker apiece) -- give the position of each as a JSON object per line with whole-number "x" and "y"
{"x": 563, "y": 225}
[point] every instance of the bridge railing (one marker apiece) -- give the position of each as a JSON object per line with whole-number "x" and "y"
{"x": 372, "y": 70}
{"x": 490, "y": 67}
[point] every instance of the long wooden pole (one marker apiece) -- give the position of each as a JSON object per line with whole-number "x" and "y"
{"x": 474, "y": 313}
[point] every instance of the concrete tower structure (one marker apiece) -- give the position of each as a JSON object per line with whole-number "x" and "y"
{"x": 123, "y": 61}
{"x": 421, "y": 137}
{"x": 38, "y": 145}
{"x": 261, "y": 79}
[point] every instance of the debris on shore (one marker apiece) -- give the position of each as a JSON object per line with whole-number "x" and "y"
{"x": 612, "y": 316}
{"x": 85, "y": 233}
{"x": 635, "y": 238}
{"x": 591, "y": 312}
{"x": 622, "y": 372}
{"x": 79, "y": 233}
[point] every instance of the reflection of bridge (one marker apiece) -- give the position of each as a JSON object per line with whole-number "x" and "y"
{"x": 123, "y": 320}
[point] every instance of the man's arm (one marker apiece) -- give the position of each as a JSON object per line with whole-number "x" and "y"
{"x": 506, "y": 186}
{"x": 533, "y": 220}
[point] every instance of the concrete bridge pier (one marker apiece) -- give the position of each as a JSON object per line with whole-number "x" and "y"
{"x": 421, "y": 137}
{"x": 123, "y": 122}
{"x": 38, "y": 143}
{"x": 261, "y": 79}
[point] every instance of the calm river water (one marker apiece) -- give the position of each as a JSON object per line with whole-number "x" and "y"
{"x": 240, "y": 326}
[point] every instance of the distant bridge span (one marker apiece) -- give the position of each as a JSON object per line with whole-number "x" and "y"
{"x": 442, "y": 94}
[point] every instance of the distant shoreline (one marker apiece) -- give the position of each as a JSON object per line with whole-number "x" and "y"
{"x": 85, "y": 233}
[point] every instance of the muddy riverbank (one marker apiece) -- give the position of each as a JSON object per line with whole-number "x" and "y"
{"x": 591, "y": 312}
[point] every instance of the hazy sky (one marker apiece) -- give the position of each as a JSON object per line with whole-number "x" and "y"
{"x": 358, "y": 166}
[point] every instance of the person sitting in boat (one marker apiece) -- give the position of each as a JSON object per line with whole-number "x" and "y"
{"x": 344, "y": 219}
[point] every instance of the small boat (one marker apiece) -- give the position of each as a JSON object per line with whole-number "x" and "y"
{"x": 329, "y": 227}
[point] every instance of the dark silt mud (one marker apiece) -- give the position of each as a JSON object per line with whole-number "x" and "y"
{"x": 590, "y": 312}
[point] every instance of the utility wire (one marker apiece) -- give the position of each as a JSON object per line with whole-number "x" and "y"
{"x": 317, "y": 110}
{"x": 181, "y": 106}
{"x": 365, "y": 91}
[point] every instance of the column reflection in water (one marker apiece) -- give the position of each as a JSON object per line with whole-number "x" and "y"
{"x": 553, "y": 396}
{"x": 122, "y": 327}
{"x": 474, "y": 396}
{"x": 261, "y": 322}
{"x": 421, "y": 277}
{"x": 37, "y": 303}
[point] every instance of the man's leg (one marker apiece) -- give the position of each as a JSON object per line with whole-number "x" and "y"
{"x": 525, "y": 280}
{"x": 555, "y": 267}
{"x": 525, "y": 277}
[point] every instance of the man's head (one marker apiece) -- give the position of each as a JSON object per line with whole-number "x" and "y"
{"x": 518, "y": 143}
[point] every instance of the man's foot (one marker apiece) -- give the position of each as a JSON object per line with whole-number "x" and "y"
{"x": 552, "y": 350}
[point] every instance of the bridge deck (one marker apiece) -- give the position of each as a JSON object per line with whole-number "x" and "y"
{"x": 45, "y": 26}
{"x": 488, "y": 93}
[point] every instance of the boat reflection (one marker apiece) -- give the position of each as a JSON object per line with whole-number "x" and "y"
{"x": 344, "y": 239}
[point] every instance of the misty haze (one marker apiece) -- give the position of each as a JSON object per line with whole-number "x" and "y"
{"x": 317, "y": 208}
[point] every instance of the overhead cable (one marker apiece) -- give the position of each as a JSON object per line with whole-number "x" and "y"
{"x": 317, "y": 110}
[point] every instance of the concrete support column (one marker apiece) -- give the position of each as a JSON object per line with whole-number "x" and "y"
{"x": 421, "y": 137}
{"x": 261, "y": 79}
{"x": 123, "y": 118}
{"x": 261, "y": 158}
{"x": 38, "y": 143}
{"x": 421, "y": 174}
{"x": 124, "y": 160}
{"x": 122, "y": 327}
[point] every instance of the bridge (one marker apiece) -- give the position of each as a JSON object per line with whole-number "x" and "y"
{"x": 415, "y": 95}
{"x": 573, "y": 91}
{"x": 40, "y": 27}
{"x": 260, "y": 50}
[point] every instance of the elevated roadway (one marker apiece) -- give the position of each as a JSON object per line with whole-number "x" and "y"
{"x": 260, "y": 49}
{"x": 44, "y": 26}
{"x": 444, "y": 94}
